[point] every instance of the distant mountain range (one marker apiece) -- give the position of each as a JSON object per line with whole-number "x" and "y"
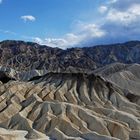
{"x": 24, "y": 56}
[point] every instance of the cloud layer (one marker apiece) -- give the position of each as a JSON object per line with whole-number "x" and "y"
{"x": 119, "y": 22}
{"x": 82, "y": 37}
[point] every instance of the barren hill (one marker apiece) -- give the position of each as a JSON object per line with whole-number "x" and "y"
{"x": 69, "y": 106}
{"x": 53, "y": 94}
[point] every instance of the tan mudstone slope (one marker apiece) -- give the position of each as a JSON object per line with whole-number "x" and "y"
{"x": 68, "y": 106}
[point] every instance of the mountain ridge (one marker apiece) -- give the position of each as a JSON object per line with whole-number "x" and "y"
{"x": 25, "y": 56}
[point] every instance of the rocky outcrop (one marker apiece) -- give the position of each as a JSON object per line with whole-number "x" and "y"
{"x": 69, "y": 106}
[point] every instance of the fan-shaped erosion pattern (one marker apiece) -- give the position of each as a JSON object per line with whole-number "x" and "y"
{"x": 65, "y": 106}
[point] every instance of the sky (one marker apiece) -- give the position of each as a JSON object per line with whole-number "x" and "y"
{"x": 70, "y": 23}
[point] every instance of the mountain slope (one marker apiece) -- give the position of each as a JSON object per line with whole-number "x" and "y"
{"x": 125, "y": 76}
{"x": 24, "y": 56}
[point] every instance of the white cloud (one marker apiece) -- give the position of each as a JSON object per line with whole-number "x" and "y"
{"x": 102, "y": 9}
{"x": 28, "y": 18}
{"x": 121, "y": 22}
{"x": 85, "y": 33}
{"x": 52, "y": 42}
{"x": 38, "y": 40}
{"x": 55, "y": 42}
{"x": 92, "y": 30}
{"x": 128, "y": 16}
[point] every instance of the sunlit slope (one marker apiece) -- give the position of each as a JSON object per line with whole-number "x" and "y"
{"x": 69, "y": 106}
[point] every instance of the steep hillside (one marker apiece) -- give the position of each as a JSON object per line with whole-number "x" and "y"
{"x": 24, "y": 56}
{"x": 125, "y": 76}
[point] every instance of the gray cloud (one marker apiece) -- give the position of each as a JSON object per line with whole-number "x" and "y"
{"x": 123, "y": 4}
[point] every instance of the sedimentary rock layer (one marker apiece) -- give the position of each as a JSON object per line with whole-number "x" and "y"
{"x": 65, "y": 106}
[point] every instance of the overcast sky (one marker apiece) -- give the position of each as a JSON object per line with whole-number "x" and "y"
{"x": 70, "y": 23}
